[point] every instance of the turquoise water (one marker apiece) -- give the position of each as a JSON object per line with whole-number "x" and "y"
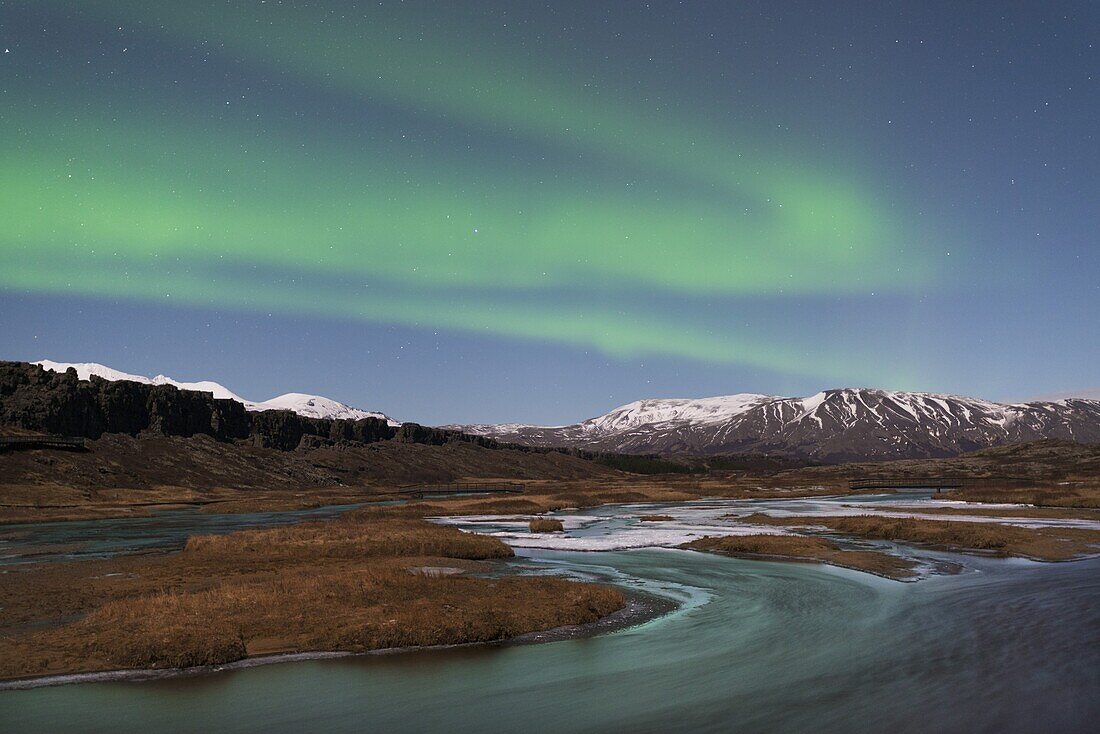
{"x": 161, "y": 531}
{"x": 1008, "y": 646}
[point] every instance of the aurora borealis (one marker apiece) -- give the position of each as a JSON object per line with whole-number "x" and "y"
{"x": 614, "y": 201}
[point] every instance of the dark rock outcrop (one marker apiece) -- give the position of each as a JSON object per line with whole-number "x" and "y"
{"x": 35, "y": 399}
{"x": 285, "y": 430}
{"x": 416, "y": 433}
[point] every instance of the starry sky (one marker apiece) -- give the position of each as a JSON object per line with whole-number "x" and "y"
{"x": 536, "y": 211}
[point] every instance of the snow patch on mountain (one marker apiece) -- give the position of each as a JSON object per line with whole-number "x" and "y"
{"x": 833, "y": 425}
{"x": 315, "y": 406}
{"x": 679, "y": 410}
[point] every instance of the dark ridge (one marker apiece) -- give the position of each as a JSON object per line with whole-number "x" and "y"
{"x": 61, "y": 404}
{"x": 40, "y": 401}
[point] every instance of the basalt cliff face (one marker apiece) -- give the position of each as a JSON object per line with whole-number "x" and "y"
{"x": 36, "y": 399}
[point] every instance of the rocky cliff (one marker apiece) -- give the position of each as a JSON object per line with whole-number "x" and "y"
{"x": 61, "y": 403}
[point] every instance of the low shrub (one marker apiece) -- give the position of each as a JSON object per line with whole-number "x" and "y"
{"x": 545, "y": 525}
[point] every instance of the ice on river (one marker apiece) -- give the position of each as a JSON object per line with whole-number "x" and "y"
{"x": 620, "y": 527}
{"x": 618, "y": 530}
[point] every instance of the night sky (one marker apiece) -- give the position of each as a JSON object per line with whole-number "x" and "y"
{"x": 519, "y": 211}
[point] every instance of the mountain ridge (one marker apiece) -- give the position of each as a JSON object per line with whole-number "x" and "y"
{"x": 840, "y": 424}
{"x": 835, "y": 425}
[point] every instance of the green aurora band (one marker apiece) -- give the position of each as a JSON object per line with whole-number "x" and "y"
{"x": 162, "y": 201}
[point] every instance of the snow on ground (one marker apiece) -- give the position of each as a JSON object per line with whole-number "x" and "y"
{"x": 616, "y": 528}
{"x": 620, "y": 527}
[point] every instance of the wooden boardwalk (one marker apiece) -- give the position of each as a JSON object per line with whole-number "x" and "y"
{"x": 422, "y": 490}
{"x": 9, "y": 443}
{"x": 938, "y": 483}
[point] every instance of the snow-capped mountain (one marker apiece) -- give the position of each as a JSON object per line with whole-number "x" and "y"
{"x": 84, "y": 370}
{"x": 834, "y": 425}
{"x": 315, "y": 406}
{"x": 311, "y": 406}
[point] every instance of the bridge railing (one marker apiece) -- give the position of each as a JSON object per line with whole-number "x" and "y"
{"x": 936, "y": 483}
{"x": 463, "y": 488}
{"x": 41, "y": 442}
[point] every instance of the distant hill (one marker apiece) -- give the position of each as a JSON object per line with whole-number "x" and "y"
{"x": 850, "y": 424}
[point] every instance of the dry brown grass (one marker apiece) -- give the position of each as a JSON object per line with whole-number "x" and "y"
{"x": 805, "y": 549}
{"x": 348, "y": 538}
{"x": 1083, "y": 495}
{"x": 545, "y": 525}
{"x": 1048, "y": 544}
{"x": 656, "y": 518}
{"x": 537, "y": 500}
{"x": 303, "y": 610}
{"x": 336, "y": 585}
{"x": 40, "y": 501}
{"x": 1064, "y": 513}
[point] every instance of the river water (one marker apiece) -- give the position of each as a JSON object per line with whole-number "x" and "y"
{"x": 165, "y": 530}
{"x": 1005, "y": 646}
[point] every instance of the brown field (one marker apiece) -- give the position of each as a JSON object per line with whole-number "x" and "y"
{"x": 349, "y": 584}
{"x": 805, "y": 549}
{"x": 122, "y": 476}
{"x": 1063, "y": 513}
{"x": 27, "y": 503}
{"x": 1046, "y": 544}
{"x": 1069, "y": 495}
{"x": 200, "y": 463}
{"x": 545, "y": 525}
{"x": 310, "y": 542}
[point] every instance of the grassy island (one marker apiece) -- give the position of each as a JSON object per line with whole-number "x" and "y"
{"x": 1045, "y": 544}
{"x": 807, "y": 550}
{"x": 354, "y": 584}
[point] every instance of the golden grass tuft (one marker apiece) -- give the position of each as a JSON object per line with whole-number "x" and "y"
{"x": 545, "y": 525}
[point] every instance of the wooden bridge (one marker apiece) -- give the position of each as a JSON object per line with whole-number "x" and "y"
{"x": 10, "y": 443}
{"x": 421, "y": 490}
{"x": 938, "y": 483}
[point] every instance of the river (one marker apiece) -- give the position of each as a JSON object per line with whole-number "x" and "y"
{"x": 164, "y": 530}
{"x": 1005, "y": 646}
